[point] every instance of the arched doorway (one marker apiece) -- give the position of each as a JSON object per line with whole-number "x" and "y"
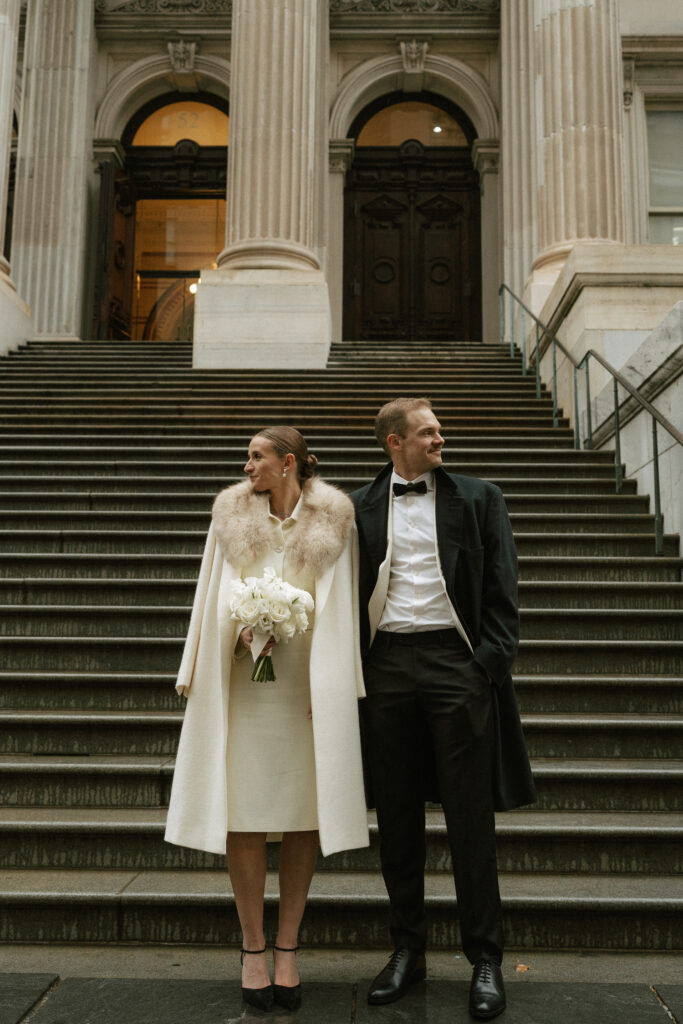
{"x": 162, "y": 217}
{"x": 412, "y": 223}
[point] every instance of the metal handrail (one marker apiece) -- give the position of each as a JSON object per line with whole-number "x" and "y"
{"x": 618, "y": 379}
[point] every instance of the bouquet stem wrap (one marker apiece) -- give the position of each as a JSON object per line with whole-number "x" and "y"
{"x": 270, "y": 608}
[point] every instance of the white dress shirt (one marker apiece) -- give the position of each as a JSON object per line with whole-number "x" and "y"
{"x": 416, "y": 596}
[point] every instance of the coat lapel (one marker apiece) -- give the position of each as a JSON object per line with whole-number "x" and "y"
{"x": 449, "y": 519}
{"x": 373, "y": 513}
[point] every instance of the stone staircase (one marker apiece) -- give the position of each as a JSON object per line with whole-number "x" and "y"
{"x": 110, "y": 456}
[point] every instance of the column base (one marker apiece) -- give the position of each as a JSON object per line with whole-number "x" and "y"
{"x": 15, "y": 317}
{"x": 261, "y": 319}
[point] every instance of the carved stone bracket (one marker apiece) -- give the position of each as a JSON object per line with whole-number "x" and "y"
{"x": 341, "y": 153}
{"x": 414, "y": 54}
{"x": 182, "y": 54}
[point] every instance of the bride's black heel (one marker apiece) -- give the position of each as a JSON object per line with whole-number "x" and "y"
{"x": 262, "y": 998}
{"x": 287, "y": 996}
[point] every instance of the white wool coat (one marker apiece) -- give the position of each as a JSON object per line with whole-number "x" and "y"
{"x": 324, "y": 542}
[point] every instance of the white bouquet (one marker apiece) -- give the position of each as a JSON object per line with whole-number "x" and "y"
{"x": 269, "y": 607}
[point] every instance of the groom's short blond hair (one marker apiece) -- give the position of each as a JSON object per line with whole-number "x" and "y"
{"x": 392, "y": 418}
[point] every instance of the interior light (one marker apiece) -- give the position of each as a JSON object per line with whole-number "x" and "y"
{"x": 437, "y": 129}
{"x": 193, "y": 288}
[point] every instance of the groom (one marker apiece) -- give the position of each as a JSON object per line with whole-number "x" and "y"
{"x": 439, "y": 633}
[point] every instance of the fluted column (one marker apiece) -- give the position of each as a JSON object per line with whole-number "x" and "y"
{"x": 272, "y": 136}
{"x": 267, "y": 304}
{"x": 578, "y": 102}
{"x": 518, "y": 126}
{"x": 49, "y": 230}
{"x": 14, "y": 313}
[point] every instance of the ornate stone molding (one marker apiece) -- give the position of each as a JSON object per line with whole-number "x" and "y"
{"x": 163, "y": 6}
{"x": 336, "y": 6}
{"x": 414, "y": 6}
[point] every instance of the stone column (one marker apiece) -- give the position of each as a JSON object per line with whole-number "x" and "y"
{"x": 267, "y": 303}
{"x": 340, "y": 158}
{"x": 580, "y": 132}
{"x": 486, "y": 158}
{"x": 518, "y": 130}
{"x": 14, "y": 313}
{"x": 54, "y": 161}
{"x": 636, "y": 170}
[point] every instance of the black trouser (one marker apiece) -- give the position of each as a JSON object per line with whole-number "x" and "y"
{"x": 425, "y": 692}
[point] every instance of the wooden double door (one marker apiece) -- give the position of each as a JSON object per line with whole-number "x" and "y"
{"x": 412, "y": 244}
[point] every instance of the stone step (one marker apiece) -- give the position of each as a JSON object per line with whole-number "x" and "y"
{"x": 192, "y": 542}
{"x": 47, "y": 838}
{"x": 201, "y": 502}
{"x": 88, "y": 733}
{"x": 541, "y": 911}
{"x": 522, "y": 522}
{"x": 266, "y": 405}
{"x": 547, "y": 440}
{"x": 101, "y": 418}
{"x": 167, "y": 486}
{"x": 86, "y": 620}
{"x": 620, "y": 784}
{"x": 152, "y": 565}
{"x": 577, "y": 694}
{"x": 218, "y": 469}
{"x": 233, "y": 457}
{"x": 162, "y": 654}
{"x": 154, "y": 691}
{"x": 164, "y": 592}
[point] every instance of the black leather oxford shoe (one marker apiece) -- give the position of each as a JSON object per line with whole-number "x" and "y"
{"x": 487, "y": 992}
{"x": 405, "y": 967}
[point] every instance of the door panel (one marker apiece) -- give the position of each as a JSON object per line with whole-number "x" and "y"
{"x": 412, "y": 244}
{"x": 116, "y": 229}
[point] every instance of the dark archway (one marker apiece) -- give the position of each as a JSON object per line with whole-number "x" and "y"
{"x": 412, "y": 226}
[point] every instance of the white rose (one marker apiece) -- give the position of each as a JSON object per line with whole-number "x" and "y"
{"x": 248, "y": 612}
{"x": 286, "y": 630}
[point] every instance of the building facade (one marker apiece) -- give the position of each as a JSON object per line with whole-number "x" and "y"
{"x": 391, "y": 163}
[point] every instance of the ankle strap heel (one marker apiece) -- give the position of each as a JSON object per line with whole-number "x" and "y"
{"x": 262, "y": 998}
{"x": 288, "y": 997}
{"x": 250, "y": 952}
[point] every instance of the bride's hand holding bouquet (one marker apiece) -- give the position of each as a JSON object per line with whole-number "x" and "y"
{"x": 271, "y": 611}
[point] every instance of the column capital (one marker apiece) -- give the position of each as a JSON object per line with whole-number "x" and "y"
{"x": 106, "y": 150}
{"x": 486, "y": 156}
{"x": 341, "y": 154}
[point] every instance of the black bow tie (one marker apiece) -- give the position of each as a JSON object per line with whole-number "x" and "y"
{"x": 419, "y": 488}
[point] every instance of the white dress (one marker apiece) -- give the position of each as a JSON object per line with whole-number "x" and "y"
{"x": 271, "y": 777}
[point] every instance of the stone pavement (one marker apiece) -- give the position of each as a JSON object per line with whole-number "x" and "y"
{"x": 49, "y": 999}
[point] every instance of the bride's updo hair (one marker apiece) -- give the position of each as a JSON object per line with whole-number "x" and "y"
{"x": 287, "y": 439}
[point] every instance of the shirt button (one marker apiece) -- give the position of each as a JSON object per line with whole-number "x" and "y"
{"x": 279, "y": 550}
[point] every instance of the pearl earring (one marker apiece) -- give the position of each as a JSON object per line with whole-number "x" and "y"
{"x": 284, "y": 473}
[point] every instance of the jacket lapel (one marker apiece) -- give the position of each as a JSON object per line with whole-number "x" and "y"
{"x": 373, "y": 514}
{"x": 449, "y": 519}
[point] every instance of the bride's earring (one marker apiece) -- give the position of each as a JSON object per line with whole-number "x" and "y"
{"x": 284, "y": 473}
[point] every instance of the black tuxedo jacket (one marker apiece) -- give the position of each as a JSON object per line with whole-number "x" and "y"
{"x": 479, "y": 565}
